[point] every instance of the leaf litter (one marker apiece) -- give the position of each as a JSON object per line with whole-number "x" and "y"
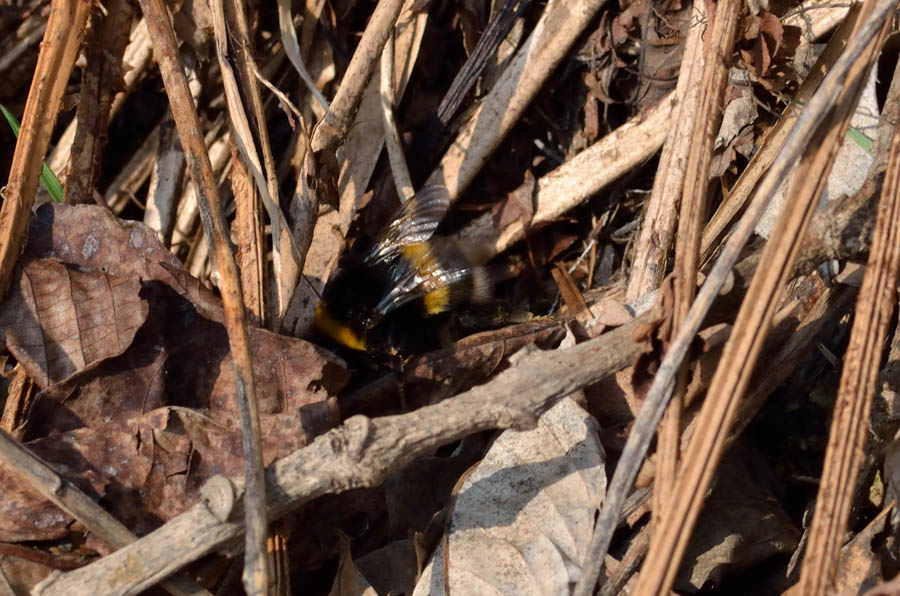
{"x": 140, "y": 407}
{"x": 121, "y": 336}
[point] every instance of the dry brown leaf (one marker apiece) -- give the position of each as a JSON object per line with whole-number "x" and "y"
{"x": 130, "y": 346}
{"x": 624, "y": 22}
{"x": 392, "y": 568}
{"x": 740, "y": 527}
{"x": 58, "y": 320}
{"x": 147, "y": 469}
{"x": 859, "y": 566}
{"x": 611, "y": 313}
{"x": 518, "y": 206}
{"x": 656, "y": 333}
{"x": 768, "y": 49}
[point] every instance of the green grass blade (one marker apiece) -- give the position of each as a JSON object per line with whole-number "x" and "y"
{"x": 48, "y": 178}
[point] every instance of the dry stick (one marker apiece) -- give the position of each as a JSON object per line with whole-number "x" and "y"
{"x": 250, "y": 238}
{"x": 292, "y": 49}
{"x": 59, "y": 49}
{"x": 847, "y": 438}
{"x": 742, "y": 351}
{"x": 556, "y": 30}
{"x": 332, "y": 128}
{"x": 493, "y": 35}
{"x": 572, "y": 183}
{"x": 402, "y": 179}
{"x": 759, "y": 164}
{"x": 657, "y": 397}
{"x": 68, "y": 497}
{"x": 233, "y": 43}
{"x": 134, "y": 65}
{"x": 705, "y": 124}
{"x": 169, "y": 60}
{"x": 657, "y": 233}
{"x": 360, "y": 453}
{"x": 99, "y": 85}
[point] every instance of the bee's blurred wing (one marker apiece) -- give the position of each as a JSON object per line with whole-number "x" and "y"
{"x": 434, "y": 269}
{"x": 414, "y": 222}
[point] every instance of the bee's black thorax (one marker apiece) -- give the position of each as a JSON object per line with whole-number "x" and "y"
{"x": 394, "y": 296}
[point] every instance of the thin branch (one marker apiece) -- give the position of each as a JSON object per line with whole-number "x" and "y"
{"x": 186, "y": 120}
{"x": 849, "y": 426}
{"x": 493, "y": 35}
{"x": 60, "y": 46}
{"x": 720, "y": 38}
{"x": 68, "y": 497}
{"x": 332, "y": 128}
{"x": 359, "y": 453}
{"x": 660, "y": 390}
{"x": 654, "y": 244}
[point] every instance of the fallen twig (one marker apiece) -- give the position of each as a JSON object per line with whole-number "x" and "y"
{"x": 68, "y": 497}
{"x": 332, "y": 128}
{"x": 59, "y": 49}
{"x": 361, "y": 452}
{"x": 850, "y": 421}
{"x": 165, "y": 49}
{"x": 657, "y": 397}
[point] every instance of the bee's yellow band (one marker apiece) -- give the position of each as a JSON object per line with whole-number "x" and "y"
{"x": 437, "y": 301}
{"x": 420, "y": 256}
{"x": 337, "y": 331}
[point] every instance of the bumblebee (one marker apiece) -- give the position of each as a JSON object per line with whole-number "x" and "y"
{"x": 393, "y": 296}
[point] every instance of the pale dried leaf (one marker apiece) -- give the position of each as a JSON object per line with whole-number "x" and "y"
{"x": 523, "y": 518}
{"x": 851, "y": 166}
{"x": 611, "y": 313}
{"x": 349, "y": 581}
